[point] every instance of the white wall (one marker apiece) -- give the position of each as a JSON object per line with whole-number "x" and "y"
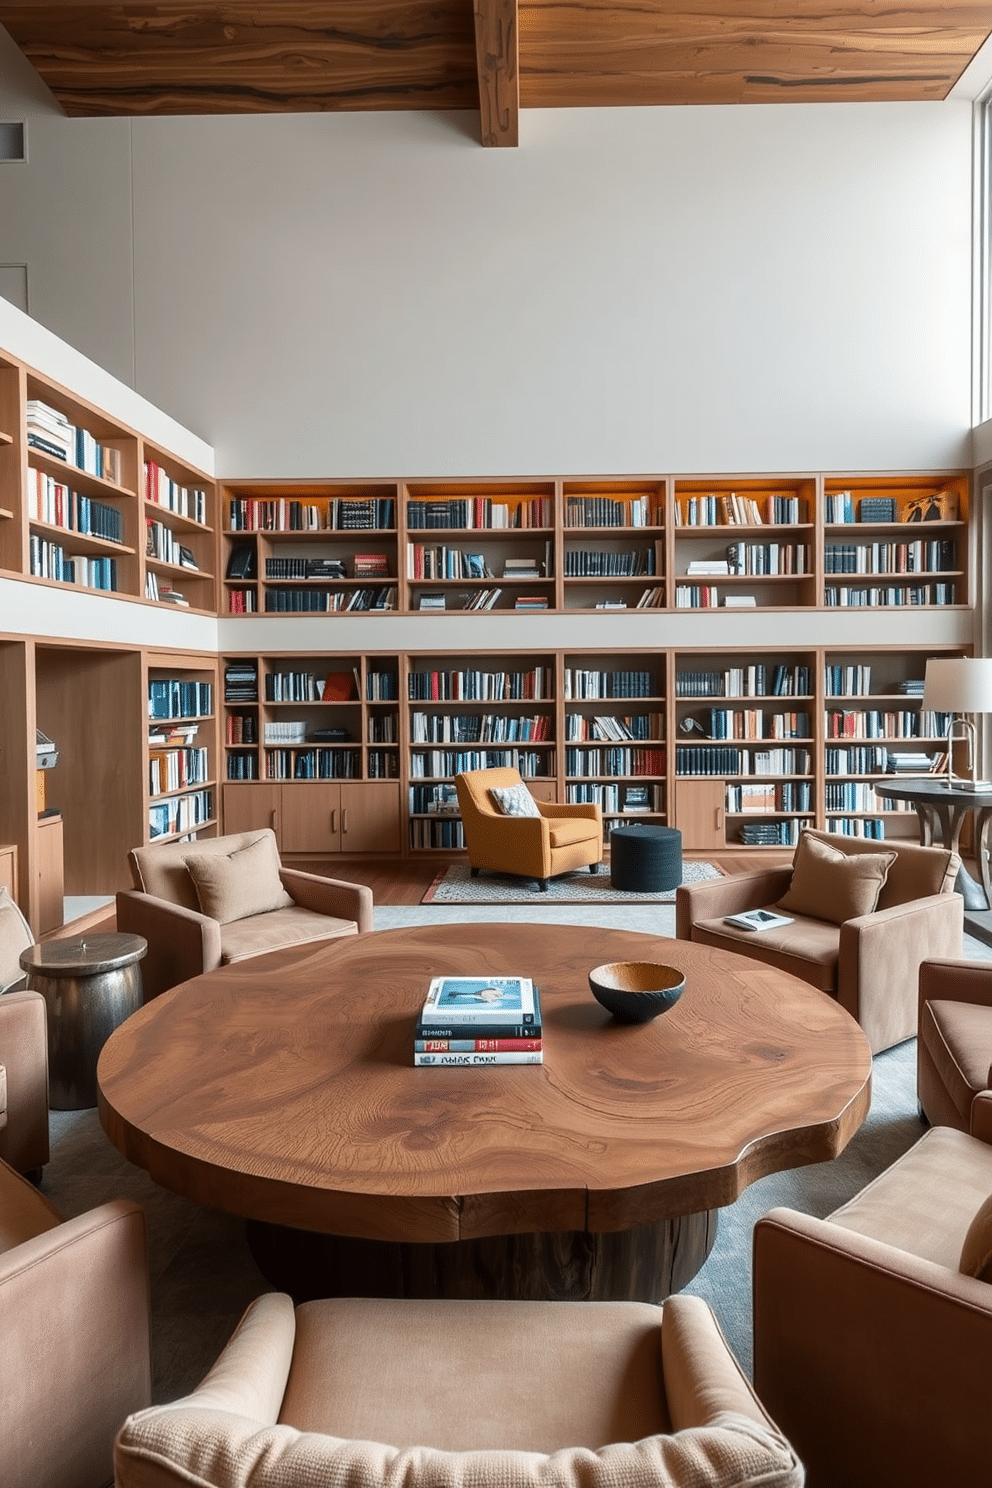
{"x": 711, "y": 289}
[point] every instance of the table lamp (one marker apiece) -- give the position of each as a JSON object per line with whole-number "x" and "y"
{"x": 960, "y": 686}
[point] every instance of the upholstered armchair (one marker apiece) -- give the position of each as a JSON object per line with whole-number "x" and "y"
{"x": 74, "y": 1336}
{"x": 873, "y": 1327}
{"x": 450, "y": 1394}
{"x": 954, "y": 1047}
{"x": 508, "y": 831}
{"x": 206, "y": 903}
{"x": 864, "y": 915}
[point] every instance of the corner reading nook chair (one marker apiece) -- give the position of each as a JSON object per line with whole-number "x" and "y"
{"x": 207, "y": 903}
{"x": 873, "y": 1327}
{"x": 74, "y": 1336}
{"x": 459, "y": 1394}
{"x": 508, "y": 831}
{"x": 864, "y": 915}
{"x": 954, "y": 1048}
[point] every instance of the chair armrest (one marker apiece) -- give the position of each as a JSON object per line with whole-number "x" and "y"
{"x": 74, "y": 1335}
{"x": 702, "y": 1377}
{"x": 330, "y": 896}
{"x": 722, "y": 896}
{"x": 870, "y": 1360}
{"x": 590, "y": 809}
{"x": 24, "y": 1051}
{"x": 182, "y": 943}
{"x": 955, "y": 981}
{"x": 879, "y": 960}
{"x": 250, "y": 1374}
{"x": 981, "y": 1116}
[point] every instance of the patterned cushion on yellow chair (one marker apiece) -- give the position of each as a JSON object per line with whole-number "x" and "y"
{"x": 513, "y": 800}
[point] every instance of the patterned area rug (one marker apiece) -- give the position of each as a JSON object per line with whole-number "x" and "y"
{"x": 456, "y": 886}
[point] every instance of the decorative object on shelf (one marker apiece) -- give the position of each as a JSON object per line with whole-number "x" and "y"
{"x": 636, "y": 991}
{"x": 960, "y": 686}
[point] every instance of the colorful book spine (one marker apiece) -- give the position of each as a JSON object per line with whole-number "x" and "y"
{"x": 458, "y": 1030}
{"x": 477, "y": 1045}
{"x": 467, "y": 1060}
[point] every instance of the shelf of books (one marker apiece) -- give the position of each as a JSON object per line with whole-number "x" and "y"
{"x": 311, "y": 549}
{"x": 180, "y": 538}
{"x": 744, "y": 544}
{"x": 895, "y": 541}
{"x": 182, "y": 750}
{"x": 614, "y": 732}
{"x": 613, "y": 545}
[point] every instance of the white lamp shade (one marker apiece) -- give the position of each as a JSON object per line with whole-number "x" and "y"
{"x": 958, "y": 684}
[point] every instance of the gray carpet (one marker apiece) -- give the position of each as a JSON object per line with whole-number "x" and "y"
{"x": 455, "y": 885}
{"x": 202, "y": 1275}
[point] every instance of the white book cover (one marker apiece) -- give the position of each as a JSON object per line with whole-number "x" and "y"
{"x": 480, "y": 1000}
{"x": 757, "y": 919}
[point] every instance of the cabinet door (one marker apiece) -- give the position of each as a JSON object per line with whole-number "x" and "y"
{"x": 370, "y": 817}
{"x": 310, "y": 818}
{"x": 51, "y": 912}
{"x": 250, "y": 805}
{"x": 8, "y": 869}
{"x": 700, "y": 811}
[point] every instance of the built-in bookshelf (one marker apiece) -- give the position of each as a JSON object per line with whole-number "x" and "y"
{"x": 86, "y": 501}
{"x": 182, "y": 751}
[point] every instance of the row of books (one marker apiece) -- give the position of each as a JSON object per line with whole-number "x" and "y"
{"x": 478, "y": 728}
{"x": 308, "y": 687}
{"x": 435, "y": 764}
{"x": 285, "y": 731}
{"x": 642, "y": 726}
{"x": 285, "y": 514}
{"x": 242, "y": 765}
{"x": 241, "y": 728}
{"x": 786, "y": 795}
{"x": 433, "y": 800}
{"x": 884, "y": 558}
{"x": 852, "y": 795}
{"x": 845, "y": 826}
{"x": 611, "y": 511}
{"x": 174, "y": 697}
{"x": 363, "y": 566}
{"x": 424, "y": 562}
{"x": 308, "y": 601}
{"x": 180, "y": 814}
{"x": 909, "y": 594}
{"x": 162, "y": 543}
{"x": 241, "y": 682}
{"x": 772, "y": 834}
{"x": 847, "y": 681}
{"x": 582, "y": 683}
{"x": 161, "y": 590}
{"x": 382, "y": 764}
{"x": 51, "y": 433}
{"x": 175, "y": 769}
{"x": 478, "y": 686}
{"x": 720, "y": 760}
{"x": 48, "y": 560}
{"x": 757, "y": 680}
{"x": 876, "y": 723}
{"x": 755, "y": 723}
{"x": 474, "y": 1021}
{"x": 427, "y": 832}
{"x": 733, "y": 510}
{"x": 768, "y": 558}
{"x": 481, "y": 512}
{"x": 57, "y": 504}
{"x": 582, "y": 563}
{"x": 616, "y": 760}
{"x": 242, "y": 602}
{"x": 185, "y": 501}
{"x": 324, "y": 763}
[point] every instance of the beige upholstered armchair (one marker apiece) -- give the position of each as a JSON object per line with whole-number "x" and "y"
{"x": 451, "y": 1394}
{"x": 531, "y": 838}
{"x": 206, "y": 903}
{"x": 873, "y": 1328}
{"x": 954, "y": 1048}
{"x": 864, "y": 915}
{"x": 74, "y": 1336}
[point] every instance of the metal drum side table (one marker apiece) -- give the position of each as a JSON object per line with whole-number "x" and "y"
{"x": 90, "y": 986}
{"x": 645, "y": 859}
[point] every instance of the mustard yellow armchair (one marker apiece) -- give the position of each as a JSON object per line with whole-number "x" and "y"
{"x": 549, "y": 839}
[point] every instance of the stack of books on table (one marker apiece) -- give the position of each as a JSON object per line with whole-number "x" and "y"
{"x": 479, "y": 1020}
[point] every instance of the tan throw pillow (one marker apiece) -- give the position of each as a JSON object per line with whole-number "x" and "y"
{"x": 233, "y": 886}
{"x": 513, "y": 800}
{"x": 976, "y": 1252}
{"x": 828, "y": 884}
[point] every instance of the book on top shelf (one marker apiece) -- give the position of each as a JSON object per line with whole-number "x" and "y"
{"x": 480, "y": 1000}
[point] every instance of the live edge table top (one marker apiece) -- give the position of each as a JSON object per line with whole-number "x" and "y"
{"x": 283, "y": 1088}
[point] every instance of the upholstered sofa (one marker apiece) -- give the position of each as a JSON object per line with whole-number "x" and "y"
{"x": 206, "y": 903}
{"x": 873, "y": 1327}
{"x": 366, "y": 1394}
{"x": 863, "y": 915}
{"x": 74, "y": 1336}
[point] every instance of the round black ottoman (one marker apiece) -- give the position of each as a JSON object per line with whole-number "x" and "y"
{"x": 645, "y": 859}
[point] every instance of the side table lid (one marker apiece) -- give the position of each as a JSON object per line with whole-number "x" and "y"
{"x": 84, "y": 954}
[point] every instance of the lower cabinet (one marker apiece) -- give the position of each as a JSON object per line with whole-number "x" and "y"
{"x": 700, "y": 813}
{"x": 319, "y": 817}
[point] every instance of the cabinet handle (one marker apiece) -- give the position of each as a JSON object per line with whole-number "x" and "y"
{"x": 334, "y": 820}
{"x": 274, "y": 820}
{"x": 719, "y": 818}
{"x": 344, "y": 821}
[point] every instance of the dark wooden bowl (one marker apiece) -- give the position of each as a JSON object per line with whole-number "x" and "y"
{"x": 636, "y": 991}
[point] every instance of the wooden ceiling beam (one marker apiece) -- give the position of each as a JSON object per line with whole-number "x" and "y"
{"x": 499, "y": 72}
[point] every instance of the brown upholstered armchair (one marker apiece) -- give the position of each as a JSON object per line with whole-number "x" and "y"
{"x": 954, "y": 1048}
{"x": 868, "y": 958}
{"x": 441, "y": 1394}
{"x": 552, "y": 839}
{"x": 206, "y": 903}
{"x": 74, "y": 1336}
{"x": 873, "y": 1327}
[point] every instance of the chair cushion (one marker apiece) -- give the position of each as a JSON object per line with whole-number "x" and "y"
{"x": 15, "y": 937}
{"x": 564, "y": 831}
{"x": 241, "y": 939}
{"x": 235, "y": 885}
{"x": 958, "y": 1038}
{"x": 829, "y": 884}
{"x": 807, "y": 948}
{"x": 161, "y": 870}
{"x": 916, "y": 873}
{"x": 513, "y": 800}
{"x": 976, "y": 1252}
{"x": 926, "y": 1201}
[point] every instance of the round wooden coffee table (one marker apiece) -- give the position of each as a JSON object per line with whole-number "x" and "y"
{"x": 282, "y": 1089}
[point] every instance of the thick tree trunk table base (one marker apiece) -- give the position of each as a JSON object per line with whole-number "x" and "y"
{"x": 646, "y": 1264}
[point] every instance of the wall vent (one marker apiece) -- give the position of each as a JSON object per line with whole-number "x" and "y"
{"x": 13, "y": 142}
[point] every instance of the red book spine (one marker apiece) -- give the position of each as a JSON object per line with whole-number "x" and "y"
{"x": 479, "y": 1045}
